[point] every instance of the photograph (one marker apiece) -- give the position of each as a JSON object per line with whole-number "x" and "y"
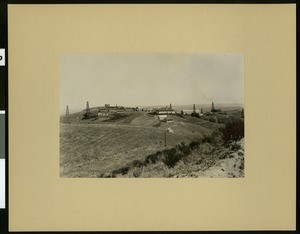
{"x": 149, "y": 117}
{"x": 152, "y": 115}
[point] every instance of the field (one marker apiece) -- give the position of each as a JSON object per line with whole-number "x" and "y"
{"x": 98, "y": 147}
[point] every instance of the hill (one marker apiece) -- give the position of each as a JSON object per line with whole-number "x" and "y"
{"x": 91, "y": 147}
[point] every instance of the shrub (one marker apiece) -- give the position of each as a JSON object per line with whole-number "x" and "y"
{"x": 195, "y": 115}
{"x": 207, "y": 139}
{"x": 217, "y": 138}
{"x": 137, "y": 163}
{"x": 136, "y": 172}
{"x": 157, "y": 170}
{"x": 152, "y": 158}
{"x": 171, "y": 157}
{"x": 194, "y": 144}
{"x": 234, "y": 130}
{"x": 185, "y": 149}
{"x": 235, "y": 146}
{"x": 122, "y": 171}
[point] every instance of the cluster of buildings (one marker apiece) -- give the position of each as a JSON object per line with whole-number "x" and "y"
{"x": 162, "y": 113}
{"x": 104, "y": 111}
{"x": 109, "y": 110}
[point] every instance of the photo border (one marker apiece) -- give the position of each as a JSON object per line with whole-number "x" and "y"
{"x": 4, "y": 42}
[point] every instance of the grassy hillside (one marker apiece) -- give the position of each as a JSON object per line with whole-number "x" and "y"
{"x": 207, "y": 159}
{"x": 91, "y": 148}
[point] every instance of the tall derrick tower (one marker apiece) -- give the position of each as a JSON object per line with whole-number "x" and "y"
{"x": 87, "y": 108}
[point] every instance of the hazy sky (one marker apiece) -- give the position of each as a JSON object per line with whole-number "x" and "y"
{"x": 133, "y": 79}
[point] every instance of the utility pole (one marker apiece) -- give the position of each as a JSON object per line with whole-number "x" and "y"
{"x": 67, "y": 110}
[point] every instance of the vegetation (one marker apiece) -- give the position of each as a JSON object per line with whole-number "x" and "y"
{"x": 133, "y": 145}
{"x": 233, "y": 131}
{"x": 195, "y": 115}
{"x": 183, "y": 159}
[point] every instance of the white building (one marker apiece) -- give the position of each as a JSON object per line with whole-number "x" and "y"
{"x": 188, "y": 112}
{"x": 165, "y": 111}
{"x": 102, "y": 114}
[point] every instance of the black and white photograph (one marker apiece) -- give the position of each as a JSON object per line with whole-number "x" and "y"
{"x": 152, "y": 115}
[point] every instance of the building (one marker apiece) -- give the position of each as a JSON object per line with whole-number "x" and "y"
{"x": 101, "y": 114}
{"x": 102, "y": 109}
{"x": 120, "y": 112}
{"x": 164, "y": 111}
{"x": 189, "y": 112}
{"x": 129, "y": 109}
{"x": 141, "y": 108}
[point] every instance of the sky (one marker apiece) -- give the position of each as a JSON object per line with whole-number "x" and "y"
{"x": 150, "y": 79}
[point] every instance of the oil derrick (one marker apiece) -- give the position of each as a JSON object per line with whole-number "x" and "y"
{"x": 242, "y": 113}
{"x": 212, "y": 106}
{"x": 201, "y": 111}
{"x": 194, "y": 108}
{"x": 170, "y": 106}
{"x": 67, "y": 110}
{"x": 87, "y": 108}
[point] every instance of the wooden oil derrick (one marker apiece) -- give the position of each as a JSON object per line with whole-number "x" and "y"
{"x": 67, "y": 110}
{"x": 87, "y": 108}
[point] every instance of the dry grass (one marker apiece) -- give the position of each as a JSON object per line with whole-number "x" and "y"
{"x": 206, "y": 160}
{"x": 89, "y": 150}
{"x": 95, "y": 148}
